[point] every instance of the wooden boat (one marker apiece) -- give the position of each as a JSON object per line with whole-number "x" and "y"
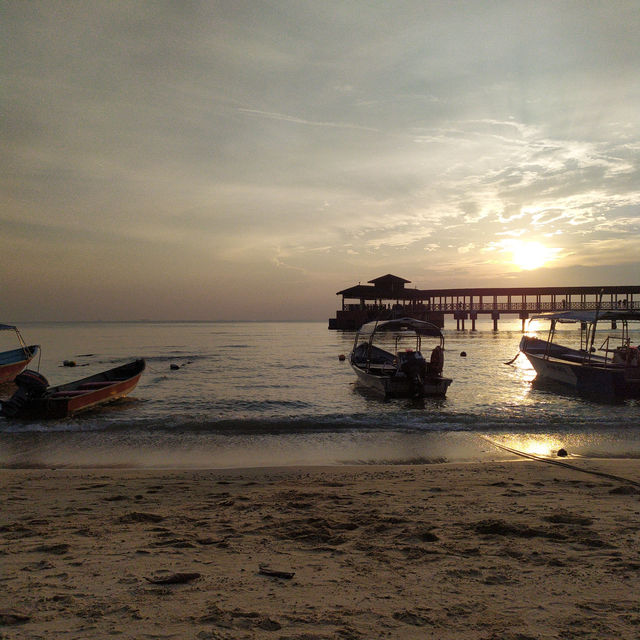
{"x": 400, "y": 370}
{"x": 14, "y": 361}
{"x": 35, "y": 398}
{"x": 610, "y": 370}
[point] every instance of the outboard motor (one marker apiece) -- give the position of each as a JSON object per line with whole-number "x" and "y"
{"x": 437, "y": 361}
{"x": 31, "y": 385}
{"x": 413, "y": 365}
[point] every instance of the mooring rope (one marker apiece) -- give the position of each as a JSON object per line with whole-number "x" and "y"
{"x": 532, "y": 456}
{"x": 513, "y": 359}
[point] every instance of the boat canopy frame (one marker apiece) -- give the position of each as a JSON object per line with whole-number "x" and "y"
{"x": 588, "y": 316}
{"x": 398, "y": 325}
{"x": 23, "y": 344}
{"x": 399, "y": 329}
{"x": 588, "y": 324}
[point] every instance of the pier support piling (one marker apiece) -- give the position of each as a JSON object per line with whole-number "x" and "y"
{"x": 460, "y": 317}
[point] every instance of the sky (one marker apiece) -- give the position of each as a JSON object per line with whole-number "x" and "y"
{"x": 235, "y": 160}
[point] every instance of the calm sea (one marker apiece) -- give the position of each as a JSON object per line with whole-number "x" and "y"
{"x": 270, "y": 394}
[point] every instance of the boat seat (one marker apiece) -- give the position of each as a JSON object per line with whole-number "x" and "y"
{"x": 96, "y": 385}
{"x": 68, "y": 394}
{"x": 569, "y": 356}
{"x": 380, "y": 368}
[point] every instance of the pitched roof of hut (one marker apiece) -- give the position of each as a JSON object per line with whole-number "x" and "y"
{"x": 385, "y": 287}
{"x": 389, "y": 279}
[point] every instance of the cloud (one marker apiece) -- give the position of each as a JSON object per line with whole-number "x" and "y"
{"x": 286, "y": 118}
{"x": 257, "y": 144}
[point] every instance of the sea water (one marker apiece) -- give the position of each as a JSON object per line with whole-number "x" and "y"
{"x": 225, "y": 395}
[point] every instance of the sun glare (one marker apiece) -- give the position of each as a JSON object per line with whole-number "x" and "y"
{"x": 541, "y": 445}
{"x": 531, "y": 255}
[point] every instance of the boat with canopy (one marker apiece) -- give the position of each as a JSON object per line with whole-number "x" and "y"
{"x": 605, "y": 361}
{"x": 387, "y": 357}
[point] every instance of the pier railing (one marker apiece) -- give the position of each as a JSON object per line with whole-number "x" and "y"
{"x": 505, "y": 307}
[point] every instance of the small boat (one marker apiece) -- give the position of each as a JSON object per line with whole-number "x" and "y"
{"x": 35, "y": 398}
{"x": 12, "y": 362}
{"x": 604, "y": 364}
{"x": 400, "y": 370}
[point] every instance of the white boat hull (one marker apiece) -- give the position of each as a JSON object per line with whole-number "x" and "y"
{"x": 616, "y": 374}
{"x": 399, "y": 386}
{"x": 553, "y": 370}
{"x": 591, "y": 379}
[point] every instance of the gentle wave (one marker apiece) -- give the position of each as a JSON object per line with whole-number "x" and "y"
{"x": 317, "y": 424}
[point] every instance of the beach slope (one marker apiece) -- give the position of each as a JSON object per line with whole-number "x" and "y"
{"x": 510, "y": 550}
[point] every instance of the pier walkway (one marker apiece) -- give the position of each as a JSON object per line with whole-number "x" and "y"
{"x": 388, "y": 297}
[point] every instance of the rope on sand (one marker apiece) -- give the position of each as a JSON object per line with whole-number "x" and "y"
{"x": 532, "y": 456}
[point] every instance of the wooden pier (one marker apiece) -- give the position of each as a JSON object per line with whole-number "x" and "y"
{"x": 388, "y": 297}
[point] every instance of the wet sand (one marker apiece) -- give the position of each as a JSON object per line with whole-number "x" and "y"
{"x": 510, "y": 550}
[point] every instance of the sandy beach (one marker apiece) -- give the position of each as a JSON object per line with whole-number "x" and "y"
{"x": 515, "y": 551}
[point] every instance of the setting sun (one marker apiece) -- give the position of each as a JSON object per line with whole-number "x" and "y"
{"x": 531, "y": 255}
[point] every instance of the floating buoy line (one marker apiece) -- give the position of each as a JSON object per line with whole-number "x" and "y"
{"x": 533, "y": 456}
